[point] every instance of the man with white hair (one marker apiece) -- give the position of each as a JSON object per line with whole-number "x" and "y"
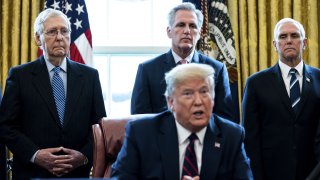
{"x": 281, "y": 110}
{"x": 49, "y": 106}
{"x": 187, "y": 141}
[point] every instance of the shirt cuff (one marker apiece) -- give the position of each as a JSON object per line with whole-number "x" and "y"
{"x": 34, "y": 156}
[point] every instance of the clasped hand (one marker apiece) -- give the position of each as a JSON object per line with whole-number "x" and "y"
{"x": 59, "y": 161}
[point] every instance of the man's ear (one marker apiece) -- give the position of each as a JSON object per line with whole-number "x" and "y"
{"x": 37, "y": 40}
{"x": 305, "y": 43}
{"x": 274, "y": 45}
{"x": 169, "y": 32}
{"x": 170, "y": 103}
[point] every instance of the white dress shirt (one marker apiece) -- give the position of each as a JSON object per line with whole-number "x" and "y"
{"x": 62, "y": 73}
{"x": 177, "y": 58}
{"x": 286, "y": 76}
{"x": 183, "y": 141}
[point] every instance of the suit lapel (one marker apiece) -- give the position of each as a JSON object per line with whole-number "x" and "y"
{"x": 168, "y": 147}
{"x": 211, "y": 153}
{"x": 306, "y": 87}
{"x": 74, "y": 89}
{"x": 41, "y": 81}
{"x": 280, "y": 88}
{"x": 196, "y": 59}
{"x": 169, "y": 62}
{"x": 166, "y": 64}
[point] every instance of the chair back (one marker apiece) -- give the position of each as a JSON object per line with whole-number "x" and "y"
{"x": 108, "y": 136}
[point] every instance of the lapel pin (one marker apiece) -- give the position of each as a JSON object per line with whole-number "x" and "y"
{"x": 216, "y": 145}
{"x": 308, "y": 80}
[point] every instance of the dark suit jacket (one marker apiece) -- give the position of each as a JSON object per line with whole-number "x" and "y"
{"x": 280, "y": 143}
{"x": 150, "y": 151}
{"x": 148, "y": 92}
{"x": 29, "y": 119}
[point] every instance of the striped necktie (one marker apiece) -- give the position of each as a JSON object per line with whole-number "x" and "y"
{"x": 190, "y": 165}
{"x": 58, "y": 93}
{"x": 294, "y": 89}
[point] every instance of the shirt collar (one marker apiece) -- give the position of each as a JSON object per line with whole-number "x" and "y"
{"x": 50, "y": 66}
{"x": 285, "y": 68}
{"x": 177, "y": 58}
{"x": 184, "y": 133}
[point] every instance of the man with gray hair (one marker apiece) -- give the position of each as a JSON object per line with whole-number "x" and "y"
{"x": 281, "y": 110}
{"x": 184, "y": 29}
{"x": 187, "y": 141}
{"x": 49, "y": 106}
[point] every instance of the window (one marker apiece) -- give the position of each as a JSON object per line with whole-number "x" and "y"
{"x": 126, "y": 33}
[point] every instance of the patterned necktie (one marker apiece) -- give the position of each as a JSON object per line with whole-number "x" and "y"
{"x": 190, "y": 165}
{"x": 183, "y": 61}
{"x": 58, "y": 93}
{"x": 294, "y": 89}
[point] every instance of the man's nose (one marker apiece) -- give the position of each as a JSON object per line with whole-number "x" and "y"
{"x": 186, "y": 29}
{"x": 197, "y": 99}
{"x": 289, "y": 39}
{"x": 59, "y": 35}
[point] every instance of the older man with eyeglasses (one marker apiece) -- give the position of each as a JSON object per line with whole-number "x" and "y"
{"x": 49, "y": 106}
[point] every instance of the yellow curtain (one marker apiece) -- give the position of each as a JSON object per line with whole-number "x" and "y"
{"x": 253, "y": 22}
{"x": 16, "y": 44}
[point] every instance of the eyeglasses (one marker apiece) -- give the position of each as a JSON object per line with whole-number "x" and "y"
{"x": 54, "y": 32}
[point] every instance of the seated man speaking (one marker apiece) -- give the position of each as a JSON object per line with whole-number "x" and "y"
{"x": 187, "y": 141}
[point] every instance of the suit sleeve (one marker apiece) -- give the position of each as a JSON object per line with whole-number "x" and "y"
{"x": 242, "y": 162}
{"x": 98, "y": 109}
{"x": 127, "y": 163}
{"x": 10, "y": 108}
{"x": 223, "y": 99}
{"x": 140, "y": 99}
{"x": 317, "y": 142}
{"x": 251, "y": 123}
{"x": 97, "y": 112}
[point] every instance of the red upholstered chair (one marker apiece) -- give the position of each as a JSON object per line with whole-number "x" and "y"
{"x": 107, "y": 141}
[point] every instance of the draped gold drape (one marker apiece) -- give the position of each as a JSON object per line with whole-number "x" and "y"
{"x": 253, "y": 22}
{"x": 16, "y": 43}
{"x": 16, "y": 34}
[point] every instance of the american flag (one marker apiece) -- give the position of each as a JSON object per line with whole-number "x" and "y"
{"x": 81, "y": 39}
{"x": 217, "y": 39}
{"x": 220, "y": 31}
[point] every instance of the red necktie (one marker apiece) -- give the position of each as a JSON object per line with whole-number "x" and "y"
{"x": 190, "y": 165}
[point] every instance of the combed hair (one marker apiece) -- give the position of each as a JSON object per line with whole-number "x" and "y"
{"x": 44, "y": 15}
{"x": 288, "y": 20}
{"x": 185, "y": 6}
{"x": 182, "y": 73}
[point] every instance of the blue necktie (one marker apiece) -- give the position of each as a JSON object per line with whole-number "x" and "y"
{"x": 190, "y": 165}
{"x": 294, "y": 89}
{"x": 58, "y": 93}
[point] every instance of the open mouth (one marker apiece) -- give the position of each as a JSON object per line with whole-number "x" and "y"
{"x": 198, "y": 113}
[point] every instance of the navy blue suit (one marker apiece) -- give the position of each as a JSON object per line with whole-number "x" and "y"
{"x": 29, "y": 119}
{"x": 279, "y": 142}
{"x": 150, "y": 151}
{"x": 148, "y": 92}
